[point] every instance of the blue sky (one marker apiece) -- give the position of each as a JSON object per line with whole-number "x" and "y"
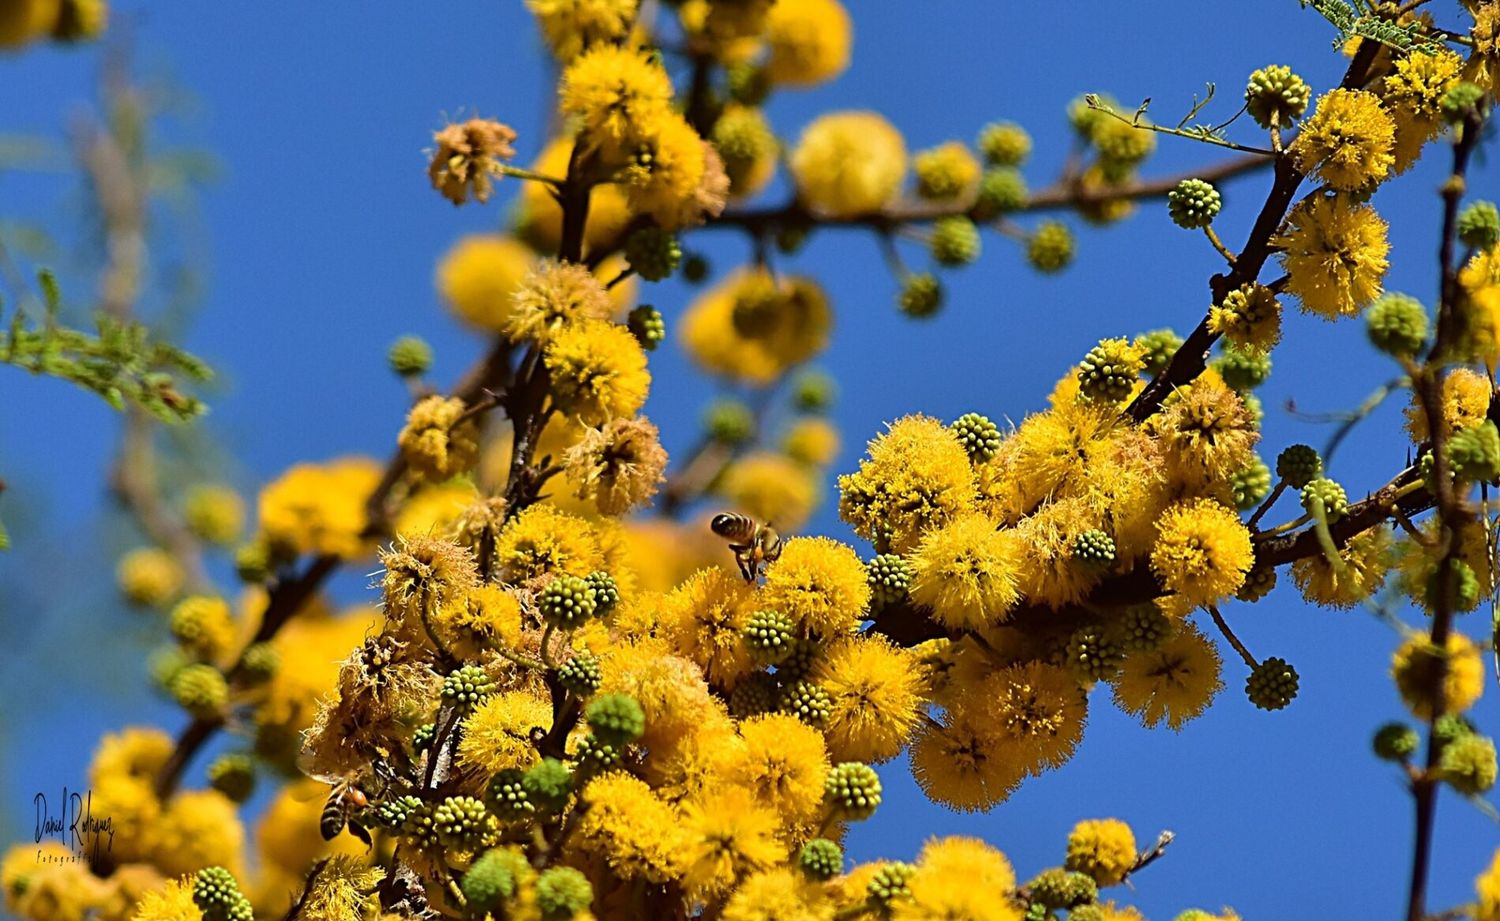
{"x": 323, "y": 235}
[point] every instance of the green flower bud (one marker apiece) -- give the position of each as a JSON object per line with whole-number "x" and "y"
{"x": 1004, "y": 143}
{"x": 748, "y": 83}
{"x": 548, "y": 784}
{"x": 233, "y": 775}
{"x": 1057, "y": 888}
{"x": 422, "y": 738}
{"x": 1397, "y": 325}
{"x": 1474, "y": 453}
{"x": 770, "y": 636}
{"x": 1396, "y": 742}
{"x": 617, "y": 719}
{"x": 753, "y": 696}
{"x": 1449, "y": 727}
{"x": 745, "y": 141}
{"x": 1460, "y": 100}
{"x": 466, "y": 687}
{"x": 1254, "y": 408}
{"x": 581, "y": 675}
{"x": 1194, "y": 204}
{"x": 1050, "y": 247}
{"x": 807, "y": 701}
{"x": 1157, "y": 348}
{"x": 890, "y": 577}
{"x": 488, "y": 882}
{"x": 853, "y": 789}
{"x": 393, "y": 813}
{"x": 1145, "y": 628}
{"x": 1258, "y": 584}
{"x": 410, "y": 356}
{"x": 593, "y": 757}
{"x": 1109, "y": 371}
{"x": 813, "y": 392}
{"x": 1002, "y": 190}
{"x": 730, "y": 422}
{"x": 165, "y": 663}
{"x": 821, "y": 859}
{"x": 1299, "y": 465}
{"x": 567, "y": 602}
{"x": 1275, "y": 94}
{"x": 259, "y": 663}
{"x": 1479, "y": 225}
{"x": 1335, "y": 502}
{"x": 1094, "y": 547}
{"x": 606, "y": 592}
{"x": 647, "y": 326}
{"x": 654, "y": 253}
{"x": 921, "y": 295}
{"x": 200, "y": 689}
{"x": 462, "y": 823}
{"x": 1250, "y": 485}
{"x": 1468, "y": 764}
{"x": 506, "y": 795}
{"x": 1463, "y": 587}
{"x": 1243, "y": 368}
{"x": 805, "y": 654}
{"x": 218, "y": 896}
{"x": 1093, "y": 654}
{"x": 889, "y": 882}
{"x": 979, "y": 436}
{"x": 955, "y": 241}
{"x": 1272, "y": 684}
{"x": 562, "y": 892}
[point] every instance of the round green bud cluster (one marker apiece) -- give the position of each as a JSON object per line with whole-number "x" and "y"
{"x": 1002, "y": 189}
{"x": 807, "y": 701}
{"x": 218, "y": 896}
{"x": 419, "y": 827}
{"x": 1243, "y": 368}
{"x": 1050, "y": 247}
{"x": 890, "y": 882}
{"x": 165, "y": 663}
{"x": 1463, "y": 587}
{"x": 1004, "y": 144}
{"x": 748, "y": 83}
{"x": 770, "y": 636}
{"x": 233, "y": 775}
{"x": 1327, "y": 492}
{"x": 606, "y": 592}
{"x": 562, "y": 892}
{"x": 743, "y": 136}
{"x": 594, "y": 756}
{"x": 1059, "y": 888}
{"x": 547, "y": 784}
{"x": 252, "y": 562}
{"x": 955, "y": 240}
{"x": 1450, "y": 727}
{"x": 1474, "y": 453}
{"x": 466, "y": 687}
{"x": 191, "y": 617}
{"x": 1084, "y": 117}
{"x": 1299, "y": 465}
{"x": 1468, "y": 764}
{"x": 463, "y": 823}
{"x": 1479, "y": 225}
{"x": 1272, "y": 684}
{"x": 942, "y": 173}
{"x": 653, "y": 253}
{"x": 821, "y": 859}
{"x": 581, "y": 675}
{"x": 1108, "y": 372}
{"x": 617, "y": 719}
{"x": 394, "y": 812}
{"x": 423, "y": 736}
{"x": 1093, "y": 654}
{"x": 799, "y": 664}
{"x": 813, "y": 392}
{"x": 647, "y": 326}
{"x": 1258, "y": 584}
{"x": 1461, "y": 99}
{"x": 410, "y": 356}
{"x": 854, "y": 789}
{"x": 1397, "y": 324}
{"x": 567, "y": 602}
{"x": 200, "y": 689}
{"x": 259, "y": 663}
{"x": 1396, "y": 742}
{"x": 890, "y": 577}
{"x": 695, "y": 268}
{"x": 489, "y": 881}
{"x": 1036, "y": 911}
{"x": 1250, "y": 485}
{"x": 1094, "y": 547}
{"x": 1157, "y": 348}
{"x": 979, "y": 436}
{"x": 1087, "y": 913}
{"x": 1275, "y": 95}
{"x": 730, "y": 422}
{"x": 1254, "y": 408}
{"x": 753, "y": 696}
{"x": 1144, "y": 628}
{"x": 921, "y": 295}
{"x": 1194, "y": 204}
{"x": 506, "y": 795}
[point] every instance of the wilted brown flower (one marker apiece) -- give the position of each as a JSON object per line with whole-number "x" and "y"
{"x": 467, "y": 156}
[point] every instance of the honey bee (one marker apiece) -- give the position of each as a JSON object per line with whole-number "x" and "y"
{"x": 344, "y": 801}
{"x": 754, "y": 544}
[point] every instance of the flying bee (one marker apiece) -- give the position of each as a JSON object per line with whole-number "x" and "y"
{"x": 345, "y": 800}
{"x": 755, "y": 545}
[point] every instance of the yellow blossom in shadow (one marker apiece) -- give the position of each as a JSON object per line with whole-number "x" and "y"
{"x": 1174, "y": 683}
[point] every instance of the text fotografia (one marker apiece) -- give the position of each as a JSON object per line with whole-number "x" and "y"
{"x": 74, "y": 825}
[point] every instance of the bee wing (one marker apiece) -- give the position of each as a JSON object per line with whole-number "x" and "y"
{"x": 307, "y": 789}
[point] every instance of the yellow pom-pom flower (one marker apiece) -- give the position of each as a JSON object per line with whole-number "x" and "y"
{"x": 959, "y": 877}
{"x": 1348, "y": 141}
{"x": 783, "y": 764}
{"x": 617, "y": 467}
{"x": 631, "y": 829}
{"x": 1102, "y": 848}
{"x": 965, "y": 572}
{"x": 552, "y": 296}
{"x": 875, "y": 691}
{"x": 1202, "y": 551}
{"x": 771, "y": 487}
{"x": 1487, "y": 887}
{"x": 572, "y": 25}
{"x": 1366, "y": 559}
{"x": 1335, "y": 254}
{"x": 149, "y": 576}
{"x": 667, "y": 171}
{"x": 819, "y": 583}
{"x": 440, "y": 439}
{"x": 1207, "y": 434}
{"x": 1412, "y": 94}
{"x": 963, "y": 763}
{"x": 702, "y": 619}
{"x": 947, "y": 172}
{"x": 615, "y": 92}
{"x": 171, "y": 902}
{"x": 1037, "y": 709}
{"x": 544, "y": 541}
{"x": 917, "y": 476}
{"x": 197, "y": 829}
{"x": 728, "y": 837}
{"x": 478, "y": 275}
{"x": 598, "y": 371}
{"x": 849, "y": 163}
{"x": 1466, "y": 403}
{"x": 320, "y": 508}
{"x": 753, "y": 328}
{"x": 1415, "y": 667}
{"x": 778, "y": 894}
{"x": 497, "y": 735}
{"x": 809, "y": 42}
{"x": 1175, "y": 682}
{"x": 812, "y": 441}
